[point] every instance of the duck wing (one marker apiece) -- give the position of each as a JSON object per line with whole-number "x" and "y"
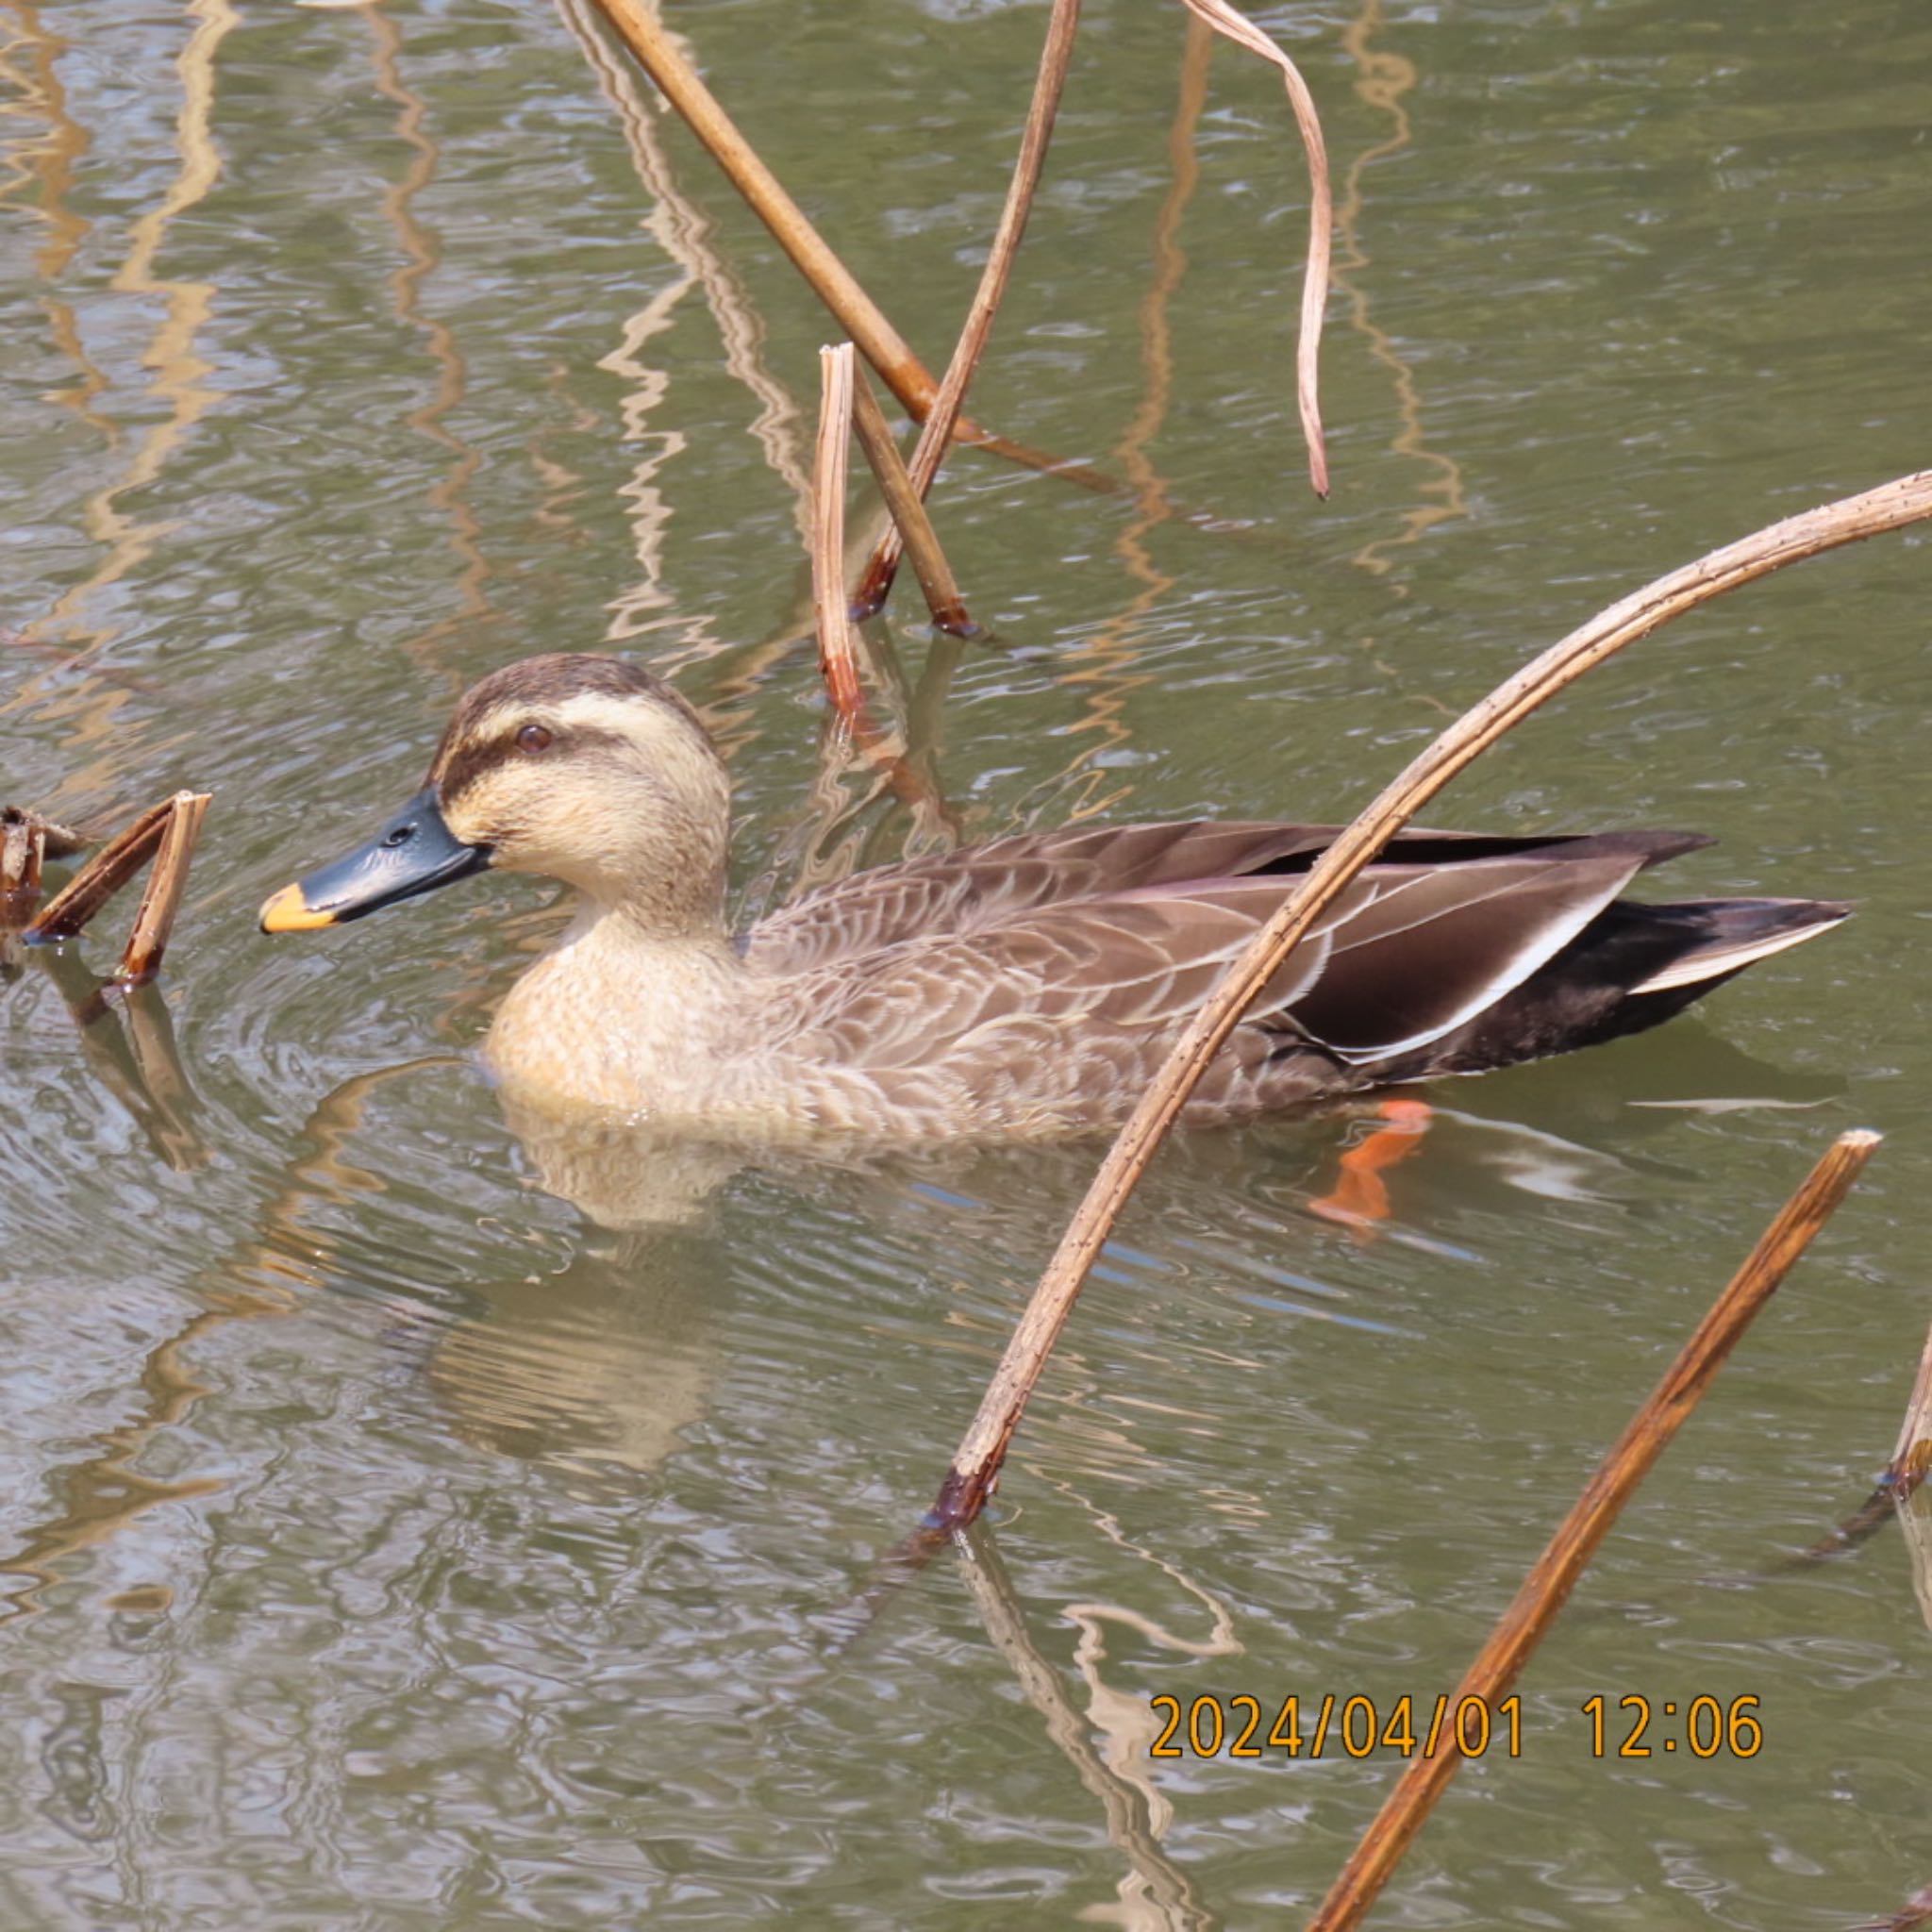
{"x": 976, "y": 887}
{"x": 1029, "y": 987}
{"x": 973, "y": 886}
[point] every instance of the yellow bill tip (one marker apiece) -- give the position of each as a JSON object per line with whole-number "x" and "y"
{"x": 289, "y": 911}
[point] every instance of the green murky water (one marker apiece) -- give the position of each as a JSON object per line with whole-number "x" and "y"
{"x": 390, "y": 1546}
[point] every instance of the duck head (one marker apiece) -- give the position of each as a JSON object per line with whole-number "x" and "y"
{"x": 574, "y": 766}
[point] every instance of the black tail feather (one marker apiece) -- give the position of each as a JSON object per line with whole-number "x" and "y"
{"x": 1606, "y": 982}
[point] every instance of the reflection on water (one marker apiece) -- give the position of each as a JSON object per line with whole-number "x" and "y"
{"x": 561, "y": 1369}
{"x": 593, "y": 1366}
{"x": 48, "y": 162}
{"x": 1154, "y": 1894}
{"x": 420, "y": 253}
{"x": 685, "y": 234}
{"x": 127, "y": 1035}
{"x": 418, "y": 1518}
{"x": 179, "y": 371}
{"x": 1383, "y": 80}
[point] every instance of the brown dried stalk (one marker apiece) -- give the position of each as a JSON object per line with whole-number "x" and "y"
{"x": 838, "y": 646}
{"x": 1550, "y": 1581}
{"x": 1905, "y": 1475}
{"x": 23, "y": 845}
{"x": 1243, "y": 32}
{"x": 27, "y": 840}
{"x": 1915, "y": 1913}
{"x": 159, "y": 904}
{"x": 1911, "y": 1459}
{"x": 910, "y": 519}
{"x": 165, "y": 832}
{"x": 976, "y": 1463}
{"x": 938, "y": 428}
{"x": 103, "y": 876}
{"x": 880, "y": 343}
{"x": 62, "y": 841}
{"x": 884, "y": 348}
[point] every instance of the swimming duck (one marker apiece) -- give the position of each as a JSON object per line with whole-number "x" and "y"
{"x": 1029, "y": 986}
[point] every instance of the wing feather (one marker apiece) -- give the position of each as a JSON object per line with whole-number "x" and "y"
{"x": 984, "y": 885}
{"x": 1091, "y": 949}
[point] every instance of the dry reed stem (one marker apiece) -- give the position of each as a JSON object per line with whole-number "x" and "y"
{"x": 881, "y": 344}
{"x": 1905, "y": 1475}
{"x": 976, "y": 1463}
{"x": 1916, "y": 1912}
{"x": 884, "y": 348}
{"x": 140, "y": 959}
{"x": 26, "y": 841}
{"x": 103, "y": 876}
{"x": 1912, "y": 1457}
{"x": 1238, "y": 28}
{"x": 838, "y": 639}
{"x": 910, "y": 517}
{"x": 22, "y": 846}
{"x": 1906, "y": 1479}
{"x": 937, "y": 431}
{"x": 1554, "y": 1573}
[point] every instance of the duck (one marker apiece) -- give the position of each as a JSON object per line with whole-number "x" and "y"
{"x": 1024, "y": 987}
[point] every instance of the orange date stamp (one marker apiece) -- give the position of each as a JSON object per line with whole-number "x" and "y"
{"x": 1331, "y": 1725}
{"x": 1656, "y": 1728}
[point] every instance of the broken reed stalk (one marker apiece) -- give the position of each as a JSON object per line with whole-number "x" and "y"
{"x": 882, "y": 345}
{"x": 103, "y": 876}
{"x": 937, "y": 429}
{"x": 910, "y": 519}
{"x": 1911, "y": 1460}
{"x": 26, "y": 841}
{"x": 1554, "y": 1573}
{"x": 1915, "y": 1913}
{"x": 976, "y": 1463}
{"x": 164, "y": 832}
{"x": 838, "y": 637}
{"x": 885, "y": 348}
{"x": 1238, "y": 28}
{"x": 22, "y": 846}
{"x": 140, "y": 959}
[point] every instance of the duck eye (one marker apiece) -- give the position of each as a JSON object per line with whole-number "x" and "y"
{"x": 534, "y": 737}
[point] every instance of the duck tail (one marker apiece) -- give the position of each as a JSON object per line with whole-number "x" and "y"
{"x": 1727, "y": 935}
{"x": 1632, "y": 968}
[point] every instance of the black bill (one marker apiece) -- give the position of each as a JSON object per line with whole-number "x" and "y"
{"x": 414, "y": 853}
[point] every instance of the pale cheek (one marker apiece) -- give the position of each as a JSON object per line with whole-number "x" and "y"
{"x": 585, "y": 841}
{"x": 503, "y": 814}
{"x": 473, "y": 828}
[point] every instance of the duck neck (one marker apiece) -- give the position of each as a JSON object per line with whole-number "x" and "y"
{"x": 624, "y": 1000}
{"x": 676, "y": 906}
{"x": 688, "y": 924}
{"x": 648, "y": 855}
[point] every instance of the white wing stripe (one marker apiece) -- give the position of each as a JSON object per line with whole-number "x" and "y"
{"x": 1549, "y": 942}
{"x": 1709, "y": 965}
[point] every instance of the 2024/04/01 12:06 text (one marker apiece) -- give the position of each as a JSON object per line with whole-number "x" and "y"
{"x": 1630, "y": 1726}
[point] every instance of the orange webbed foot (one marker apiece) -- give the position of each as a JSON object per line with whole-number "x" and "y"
{"x": 1361, "y": 1196}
